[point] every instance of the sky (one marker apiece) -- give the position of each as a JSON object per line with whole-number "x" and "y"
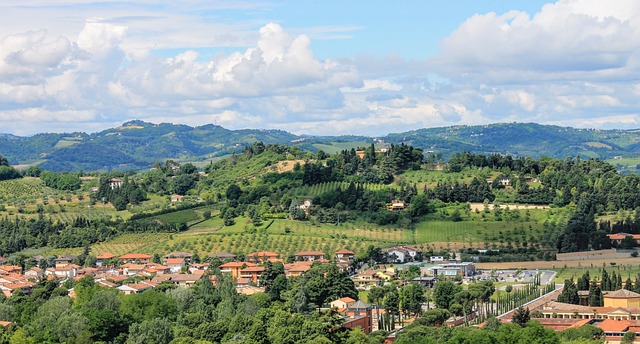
{"x": 362, "y": 67}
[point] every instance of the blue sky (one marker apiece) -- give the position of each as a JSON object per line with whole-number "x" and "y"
{"x": 318, "y": 67}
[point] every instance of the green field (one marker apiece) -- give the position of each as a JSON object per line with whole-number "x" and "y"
{"x": 336, "y": 147}
{"x": 595, "y": 273}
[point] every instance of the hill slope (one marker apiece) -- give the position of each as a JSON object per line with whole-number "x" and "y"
{"x": 137, "y": 145}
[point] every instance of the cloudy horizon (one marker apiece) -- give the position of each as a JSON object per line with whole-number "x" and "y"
{"x": 318, "y": 68}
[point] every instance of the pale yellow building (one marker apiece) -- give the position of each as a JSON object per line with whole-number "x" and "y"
{"x": 622, "y": 299}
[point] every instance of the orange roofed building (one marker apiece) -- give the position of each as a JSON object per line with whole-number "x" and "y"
{"x": 234, "y": 268}
{"x": 135, "y": 257}
{"x": 262, "y": 257}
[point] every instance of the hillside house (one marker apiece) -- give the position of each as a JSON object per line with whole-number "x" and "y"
{"x": 262, "y": 257}
{"x": 186, "y": 255}
{"x": 396, "y": 204}
{"x": 102, "y": 257}
{"x": 234, "y": 268}
{"x": 175, "y": 264}
{"x": 115, "y": 183}
{"x": 176, "y": 198}
{"x": 135, "y": 258}
{"x": 309, "y": 256}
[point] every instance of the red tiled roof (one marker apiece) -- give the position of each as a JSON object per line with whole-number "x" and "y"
{"x": 105, "y": 255}
{"x": 345, "y": 251}
{"x": 263, "y": 254}
{"x": 309, "y": 253}
{"x": 253, "y": 269}
{"x": 174, "y": 261}
{"x": 135, "y": 256}
{"x": 621, "y": 294}
{"x": 609, "y": 325}
{"x": 346, "y": 299}
{"x": 237, "y": 265}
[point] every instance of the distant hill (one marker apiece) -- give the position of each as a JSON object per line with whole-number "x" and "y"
{"x": 136, "y": 145}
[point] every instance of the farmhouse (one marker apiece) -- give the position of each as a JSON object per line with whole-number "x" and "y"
{"x": 309, "y": 256}
{"x": 115, "y": 183}
{"x": 135, "y": 257}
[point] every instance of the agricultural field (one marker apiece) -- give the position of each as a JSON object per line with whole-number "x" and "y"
{"x": 318, "y": 189}
{"x": 508, "y": 225}
{"x": 630, "y": 165}
{"x": 336, "y": 147}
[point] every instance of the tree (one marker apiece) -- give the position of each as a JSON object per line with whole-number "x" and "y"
{"x": 157, "y": 331}
{"x": 521, "y": 316}
{"x": 628, "y": 338}
{"x": 411, "y": 298}
{"x": 443, "y": 294}
{"x": 436, "y": 316}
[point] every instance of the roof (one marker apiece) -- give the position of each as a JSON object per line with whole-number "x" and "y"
{"x": 263, "y": 254}
{"x": 135, "y": 256}
{"x": 174, "y": 261}
{"x": 610, "y": 325}
{"x": 309, "y": 253}
{"x": 253, "y": 269}
{"x": 178, "y": 255}
{"x": 359, "y": 305}
{"x": 346, "y": 299}
{"x": 345, "y": 251}
{"x": 621, "y": 294}
{"x": 105, "y": 255}
{"x": 231, "y": 265}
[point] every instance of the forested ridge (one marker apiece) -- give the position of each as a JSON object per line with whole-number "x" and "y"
{"x": 137, "y": 145}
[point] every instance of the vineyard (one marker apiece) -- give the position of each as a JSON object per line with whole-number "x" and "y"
{"x": 24, "y": 190}
{"x": 319, "y": 189}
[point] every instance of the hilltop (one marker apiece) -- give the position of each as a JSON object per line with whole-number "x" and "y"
{"x": 136, "y": 145}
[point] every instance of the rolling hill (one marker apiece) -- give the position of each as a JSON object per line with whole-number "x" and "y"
{"x": 136, "y": 145}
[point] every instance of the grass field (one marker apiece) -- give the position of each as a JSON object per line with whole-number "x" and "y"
{"x": 336, "y": 147}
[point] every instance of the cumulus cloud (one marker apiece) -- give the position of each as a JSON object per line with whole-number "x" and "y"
{"x": 574, "y": 62}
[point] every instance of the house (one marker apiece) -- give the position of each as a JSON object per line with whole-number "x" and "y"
{"x": 95, "y": 189}
{"x": 617, "y": 238}
{"x": 296, "y": 269}
{"x": 262, "y": 257}
{"x": 175, "y": 264}
{"x": 396, "y": 204}
{"x": 130, "y": 269}
{"x": 194, "y": 268}
{"x": 306, "y": 206}
{"x": 176, "y": 198}
{"x": 234, "y": 268}
{"x": 622, "y": 299}
{"x": 341, "y": 303}
{"x": 135, "y": 288}
{"x": 366, "y": 279}
{"x": 309, "y": 256}
{"x": 463, "y": 269}
{"x": 401, "y": 254}
{"x": 4, "y": 260}
{"x": 186, "y": 255}
{"x": 9, "y": 288}
{"x": 115, "y": 183}
{"x": 135, "y": 258}
{"x": 345, "y": 255}
{"x": 429, "y": 282}
{"x": 35, "y": 273}
{"x": 436, "y": 259}
{"x": 64, "y": 260}
{"x": 183, "y": 280}
{"x": 358, "y": 314}
{"x": 10, "y": 269}
{"x": 253, "y": 273}
{"x": 102, "y": 257}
